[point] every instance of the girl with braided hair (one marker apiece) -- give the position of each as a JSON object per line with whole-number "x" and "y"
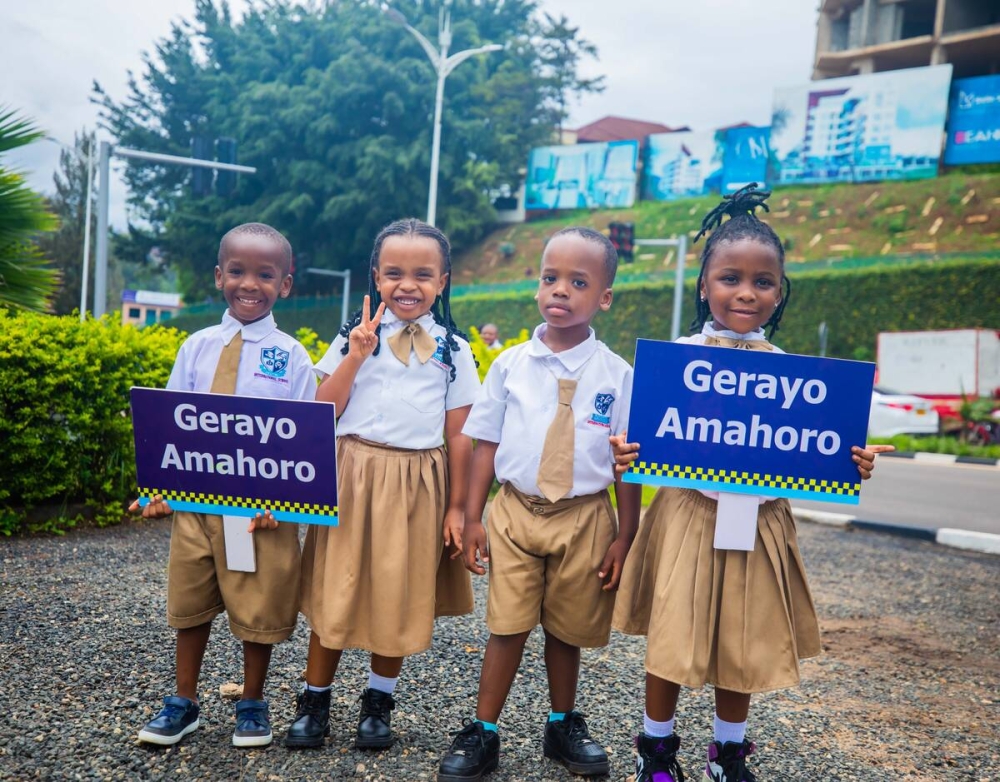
{"x": 739, "y": 620}
{"x": 403, "y": 379}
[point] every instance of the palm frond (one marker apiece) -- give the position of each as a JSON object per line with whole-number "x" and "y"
{"x": 16, "y": 131}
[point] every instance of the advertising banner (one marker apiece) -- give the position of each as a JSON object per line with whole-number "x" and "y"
{"x": 582, "y": 176}
{"x": 748, "y": 422}
{"x": 238, "y": 456}
{"x": 974, "y": 121}
{"x": 860, "y": 128}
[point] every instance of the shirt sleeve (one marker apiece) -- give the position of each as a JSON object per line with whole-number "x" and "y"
{"x": 624, "y": 406}
{"x": 485, "y": 421}
{"x": 303, "y": 378}
{"x": 464, "y": 389}
{"x": 331, "y": 360}
{"x": 182, "y": 374}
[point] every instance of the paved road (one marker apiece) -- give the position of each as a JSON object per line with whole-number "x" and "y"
{"x": 904, "y": 492}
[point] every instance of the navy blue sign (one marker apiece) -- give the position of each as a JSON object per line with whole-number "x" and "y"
{"x": 749, "y": 422}
{"x": 973, "y": 121}
{"x": 745, "y": 158}
{"x": 235, "y": 455}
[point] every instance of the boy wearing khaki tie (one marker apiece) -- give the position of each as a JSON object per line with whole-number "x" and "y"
{"x": 246, "y": 354}
{"x": 542, "y": 422}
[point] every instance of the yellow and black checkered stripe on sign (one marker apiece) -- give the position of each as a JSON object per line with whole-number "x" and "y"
{"x": 742, "y": 478}
{"x": 243, "y": 502}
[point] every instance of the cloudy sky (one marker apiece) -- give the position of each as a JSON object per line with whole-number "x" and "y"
{"x": 702, "y": 63}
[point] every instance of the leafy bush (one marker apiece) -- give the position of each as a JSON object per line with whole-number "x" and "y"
{"x": 315, "y": 347}
{"x": 485, "y": 355}
{"x": 64, "y": 413}
{"x": 939, "y": 444}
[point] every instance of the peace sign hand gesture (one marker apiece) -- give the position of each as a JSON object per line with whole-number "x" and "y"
{"x": 363, "y": 339}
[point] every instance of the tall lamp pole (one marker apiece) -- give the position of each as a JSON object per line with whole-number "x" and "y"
{"x": 443, "y": 66}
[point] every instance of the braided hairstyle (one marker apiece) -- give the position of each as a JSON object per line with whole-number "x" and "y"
{"x": 440, "y": 310}
{"x": 743, "y": 223}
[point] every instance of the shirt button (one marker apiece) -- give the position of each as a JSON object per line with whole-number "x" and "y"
{"x": 379, "y": 417}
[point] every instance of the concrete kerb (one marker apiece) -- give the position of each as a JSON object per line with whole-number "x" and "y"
{"x": 943, "y": 458}
{"x": 968, "y": 540}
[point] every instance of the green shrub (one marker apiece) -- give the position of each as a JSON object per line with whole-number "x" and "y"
{"x": 485, "y": 355}
{"x": 64, "y": 413}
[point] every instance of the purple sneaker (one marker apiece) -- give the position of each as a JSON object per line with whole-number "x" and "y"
{"x": 657, "y": 759}
{"x": 728, "y": 762}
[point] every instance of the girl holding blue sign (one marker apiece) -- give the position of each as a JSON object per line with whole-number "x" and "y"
{"x": 739, "y": 620}
{"x": 403, "y": 378}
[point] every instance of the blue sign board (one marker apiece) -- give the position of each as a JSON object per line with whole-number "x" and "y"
{"x": 973, "y": 121}
{"x": 748, "y": 422}
{"x": 582, "y": 176}
{"x": 235, "y": 455}
{"x": 745, "y": 158}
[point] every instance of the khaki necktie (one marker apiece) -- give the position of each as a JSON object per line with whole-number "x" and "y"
{"x": 555, "y": 470}
{"x": 412, "y": 337}
{"x": 742, "y": 344}
{"x": 224, "y": 381}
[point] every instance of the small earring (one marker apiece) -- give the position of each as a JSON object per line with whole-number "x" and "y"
{"x": 704, "y": 298}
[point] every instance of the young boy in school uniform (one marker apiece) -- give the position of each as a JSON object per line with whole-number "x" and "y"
{"x": 542, "y": 421}
{"x": 247, "y": 355}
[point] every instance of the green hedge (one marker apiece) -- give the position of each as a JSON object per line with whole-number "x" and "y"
{"x": 856, "y": 305}
{"x": 64, "y": 423}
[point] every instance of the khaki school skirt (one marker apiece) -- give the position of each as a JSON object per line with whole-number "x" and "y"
{"x": 378, "y": 580}
{"x": 739, "y": 620}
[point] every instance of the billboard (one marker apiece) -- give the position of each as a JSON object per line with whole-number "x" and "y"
{"x": 582, "y": 176}
{"x": 974, "y": 121}
{"x": 682, "y": 164}
{"x": 745, "y": 157}
{"x": 860, "y": 128}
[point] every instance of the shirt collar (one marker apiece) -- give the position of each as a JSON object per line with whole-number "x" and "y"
{"x": 252, "y": 332}
{"x": 709, "y": 330}
{"x": 391, "y": 323}
{"x": 572, "y": 359}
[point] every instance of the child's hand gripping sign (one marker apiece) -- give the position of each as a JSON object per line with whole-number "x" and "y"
{"x": 748, "y": 422}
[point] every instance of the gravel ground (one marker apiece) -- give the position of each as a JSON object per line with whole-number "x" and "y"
{"x": 908, "y": 686}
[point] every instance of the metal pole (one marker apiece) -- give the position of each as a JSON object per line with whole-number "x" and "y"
{"x": 86, "y": 232}
{"x": 101, "y": 266}
{"x": 444, "y": 37}
{"x": 675, "y": 322}
{"x": 345, "y": 307}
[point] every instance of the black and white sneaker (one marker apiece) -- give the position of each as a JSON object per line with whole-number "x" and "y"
{"x": 178, "y": 717}
{"x": 567, "y": 741}
{"x": 657, "y": 759}
{"x": 473, "y": 753}
{"x": 728, "y": 762}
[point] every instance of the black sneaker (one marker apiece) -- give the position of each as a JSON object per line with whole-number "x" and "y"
{"x": 374, "y": 723}
{"x": 253, "y": 724}
{"x": 728, "y": 762}
{"x": 312, "y": 720}
{"x": 178, "y": 717}
{"x": 657, "y": 760}
{"x": 473, "y": 753}
{"x": 568, "y": 742}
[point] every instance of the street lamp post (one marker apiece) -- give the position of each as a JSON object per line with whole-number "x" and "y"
{"x": 443, "y": 66}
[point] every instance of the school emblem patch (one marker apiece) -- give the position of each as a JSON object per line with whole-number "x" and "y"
{"x": 274, "y": 361}
{"x": 602, "y": 404}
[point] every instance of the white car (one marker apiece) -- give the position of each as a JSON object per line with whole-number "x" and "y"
{"x": 893, "y": 414}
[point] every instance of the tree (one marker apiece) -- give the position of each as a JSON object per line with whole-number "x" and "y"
{"x": 25, "y": 280}
{"x": 562, "y": 51}
{"x": 64, "y": 246}
{"x": 332, "y": 103}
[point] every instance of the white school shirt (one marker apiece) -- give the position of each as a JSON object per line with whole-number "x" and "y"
{"x": 272, "y": 363}
{"x": 709, "y": 330}
{"x": 404, "y": 405}
{"x": 518, "y": 403}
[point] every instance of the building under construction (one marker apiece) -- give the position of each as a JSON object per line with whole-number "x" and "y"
{"x": 869, "y": 36}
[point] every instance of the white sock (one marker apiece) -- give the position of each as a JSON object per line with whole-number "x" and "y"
{"x": 729, "y": 731}
{"x": 318, "y": 689}
{"x": 381, "y": 683}
{"x": 657, "y": 730}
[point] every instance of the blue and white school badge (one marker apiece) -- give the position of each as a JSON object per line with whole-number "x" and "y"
{"x": 274, "y": 361}
{"x": 602, "y": 404}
